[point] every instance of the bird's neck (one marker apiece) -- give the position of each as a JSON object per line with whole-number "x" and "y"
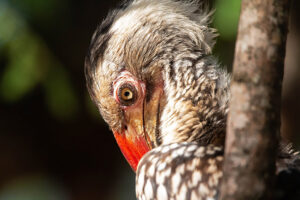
{"x": 197, "y": 94}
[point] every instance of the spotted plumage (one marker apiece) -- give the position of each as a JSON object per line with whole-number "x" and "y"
{"x": 180, "y": 171}
{"x": 151, "y": 73}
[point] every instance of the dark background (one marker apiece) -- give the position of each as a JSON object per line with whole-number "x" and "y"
{"x": 53, "y": 142}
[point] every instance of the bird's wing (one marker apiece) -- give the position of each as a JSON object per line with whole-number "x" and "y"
{"x": 191, "y": 171}
{"x": 180, "y": 171}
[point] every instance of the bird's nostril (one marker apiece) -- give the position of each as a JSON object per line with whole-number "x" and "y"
{"x": 125, "y": 127}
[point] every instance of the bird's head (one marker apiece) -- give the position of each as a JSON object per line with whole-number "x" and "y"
{"x": 144, "y": 69}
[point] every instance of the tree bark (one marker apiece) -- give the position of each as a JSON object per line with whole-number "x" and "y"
{"x": 254, "y": 116}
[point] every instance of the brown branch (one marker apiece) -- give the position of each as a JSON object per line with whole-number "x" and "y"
{"x": 254, "y": 115}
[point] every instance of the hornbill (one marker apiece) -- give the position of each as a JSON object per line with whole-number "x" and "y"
{"x": 150, "y": 71}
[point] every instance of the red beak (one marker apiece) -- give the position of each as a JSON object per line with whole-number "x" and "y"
{"x": 132, "y": 145}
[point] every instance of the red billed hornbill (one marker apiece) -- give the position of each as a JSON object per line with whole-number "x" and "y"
{"x": 150, "y": 71}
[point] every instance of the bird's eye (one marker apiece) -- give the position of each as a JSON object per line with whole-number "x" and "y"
{"x": 127, "y": 94}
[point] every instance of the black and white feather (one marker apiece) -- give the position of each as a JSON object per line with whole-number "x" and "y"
{"x": 180, "y": 171}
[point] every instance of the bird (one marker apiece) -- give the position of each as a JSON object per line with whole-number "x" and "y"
{"x": 151, "y": 73}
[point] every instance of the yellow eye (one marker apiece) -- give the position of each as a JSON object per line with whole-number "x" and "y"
{"x": 126, "y": 94}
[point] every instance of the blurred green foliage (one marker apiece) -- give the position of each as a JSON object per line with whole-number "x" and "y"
{"x": 33, "y": 188}
{"x": 227, "y": 18}
{"x": 43, "y": 11}
{"x": 29, "y": 63}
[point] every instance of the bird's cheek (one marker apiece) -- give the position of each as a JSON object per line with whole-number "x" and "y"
{"x": 152, "y": 111}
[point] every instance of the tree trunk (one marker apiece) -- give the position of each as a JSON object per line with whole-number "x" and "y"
{"x": 254, "y": 115}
